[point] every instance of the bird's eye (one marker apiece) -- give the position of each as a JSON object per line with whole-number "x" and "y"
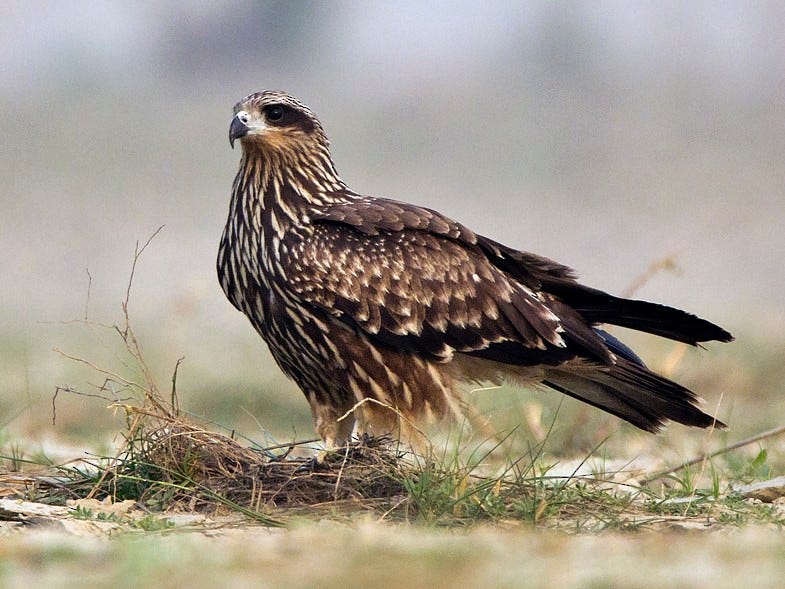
{"x": 274, "y": 113}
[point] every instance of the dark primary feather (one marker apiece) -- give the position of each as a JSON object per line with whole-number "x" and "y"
{"x": 596, "y": 306}
{"x": 361, "y": 297}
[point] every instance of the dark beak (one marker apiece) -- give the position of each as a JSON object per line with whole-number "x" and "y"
{"x": 236, "y": 130}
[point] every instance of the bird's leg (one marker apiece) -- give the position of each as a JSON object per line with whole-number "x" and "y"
{"x": 333, "y": 427}
{"x": 360, "y": 427}
{"x": 336, "y": 435}
{"x": 362, "y": 432}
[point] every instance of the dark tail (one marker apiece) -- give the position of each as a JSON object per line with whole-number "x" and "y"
{"x": 631, "y": 392}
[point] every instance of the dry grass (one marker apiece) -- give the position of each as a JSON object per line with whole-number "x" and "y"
{"x": 171, "y": 463}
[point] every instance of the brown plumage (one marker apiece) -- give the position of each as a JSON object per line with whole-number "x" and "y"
{"x": 362, "y": 298}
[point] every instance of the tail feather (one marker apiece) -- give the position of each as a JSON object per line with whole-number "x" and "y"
{"x": 631, "y": 392}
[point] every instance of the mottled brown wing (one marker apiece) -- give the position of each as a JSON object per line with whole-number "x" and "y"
{"x": 416, "y": 290}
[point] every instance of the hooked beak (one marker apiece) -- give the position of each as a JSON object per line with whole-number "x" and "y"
{"x": 237, "y": 129}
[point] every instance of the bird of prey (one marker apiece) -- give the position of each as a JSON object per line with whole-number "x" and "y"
{"x": 379, "y": 310}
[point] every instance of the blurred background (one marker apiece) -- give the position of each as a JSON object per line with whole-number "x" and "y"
{"x": 607, "y": 135}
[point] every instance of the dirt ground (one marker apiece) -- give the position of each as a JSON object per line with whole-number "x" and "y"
{"x": 371, "y": 554}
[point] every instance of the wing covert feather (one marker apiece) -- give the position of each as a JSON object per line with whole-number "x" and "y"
{"x": 419, "y": 291}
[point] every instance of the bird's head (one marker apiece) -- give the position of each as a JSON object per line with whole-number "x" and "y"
{"x": 273, "y": 120}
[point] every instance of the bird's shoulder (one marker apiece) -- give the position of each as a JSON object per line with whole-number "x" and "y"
{"x": 373, "y": 215}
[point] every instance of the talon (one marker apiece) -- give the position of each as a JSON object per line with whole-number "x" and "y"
{"x": 318, "y": 463}
{"x": 312, "y": 465}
